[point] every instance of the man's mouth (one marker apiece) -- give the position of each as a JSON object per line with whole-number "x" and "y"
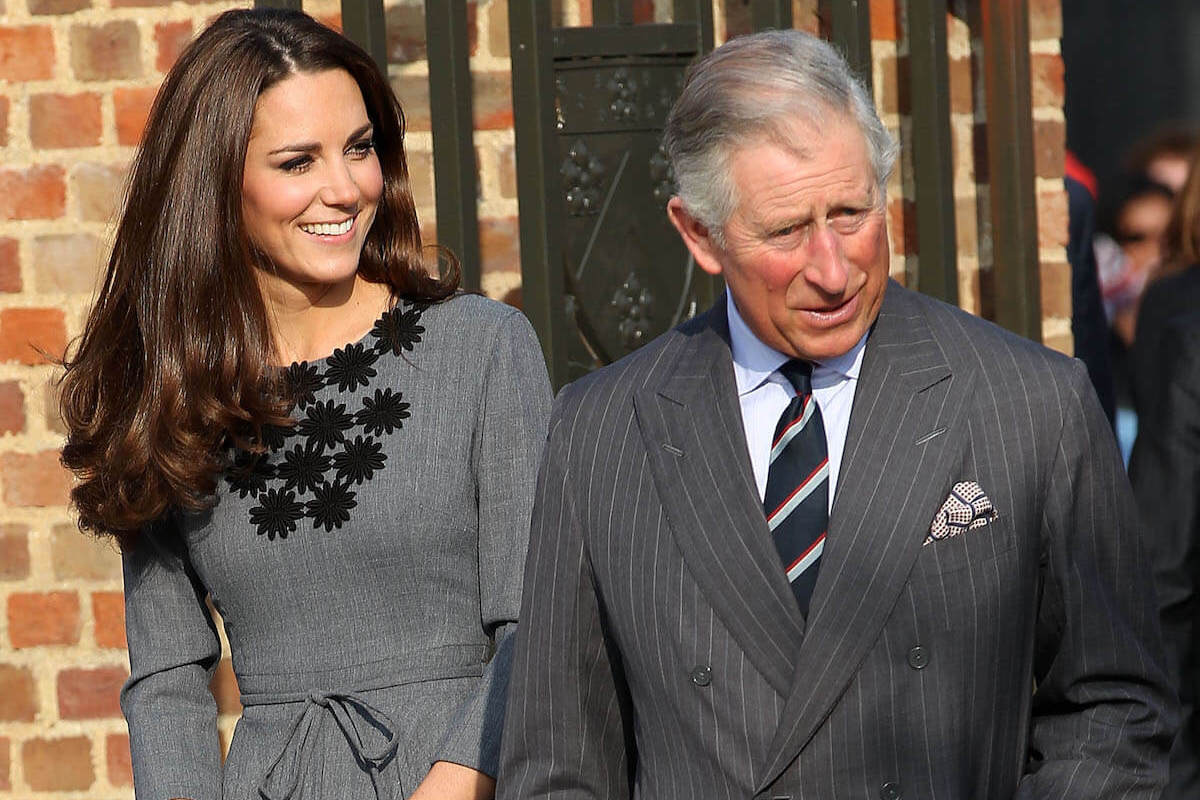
{"x": 831, "y": 316}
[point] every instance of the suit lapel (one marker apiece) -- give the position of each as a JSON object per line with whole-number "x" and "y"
{"x": 897, "y": 467}
{"x": 692, "y": 427}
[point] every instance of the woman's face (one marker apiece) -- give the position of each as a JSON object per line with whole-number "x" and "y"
{"x": 312, "y": 181}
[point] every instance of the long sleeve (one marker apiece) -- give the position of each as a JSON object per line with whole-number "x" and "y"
{"x": 507, "y": 446}
{"x": 566, "y": 735}
{"x": 1165, "y": 472}
{"x": 1103, "y": 713}
{"x": 173, "y": 650}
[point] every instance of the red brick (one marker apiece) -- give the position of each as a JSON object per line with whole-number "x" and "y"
{"x": 225, "y": 689}
{"x": 1045, "y": 19}
{"x": 64, "y": 120}
{"x": 14, "y": 552}
{"x": 57, "y": 6}
{"x": 108, "y": 610}
{"x": 1046, "y": 77}
{"x": 497, "y": 13}
{"x": 1053, "y": 230}
{"x": 58, "y": 765}
{"x": 3, "y": 122}
{"x": 90, "y": 693}
{"x": 405, "y": 32}
{"x": 902, "y": 226}
{"x": 1049, "y": 147}
{"x": 884, "y": 24}
{"x": 962, "y": 100}
{"x": 643, "y": 11}
{"x": 492, "y": 100}
{"x": 97, "y": 189}
{"x": 499, "y": 245}
{"x": 10, "y": 265}
{"x": 5, "y": 766}
{"x": 52, "y": 413}
{"x": 34, "y": 479}
{"x": 75, "y": 555}
{"x": 894, "y": 91}
{"x": 43, "y": 618}
{"x": 18, "y": 694}
{"x": 106, "y": 52}
{"x": 806, "y": 16}
{"x": 116, "y": 754}
{"x": 12, "y": 413}
{"x": 420, "y": 178}
{"x": 1055, "y": 289}
{"x": 39, "y": 192}
{"x": 413, "y": 92}
{"x": 508, "y": 172}
{"x": 132, "y": 108}
{"x": 170, "y": 38}
{"x": 66, "y": 262}
{"x": 26, "y": 333}
{"x": 26, "y": 53}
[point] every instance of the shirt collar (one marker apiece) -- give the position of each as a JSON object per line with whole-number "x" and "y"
{"x": 754, "y": 362}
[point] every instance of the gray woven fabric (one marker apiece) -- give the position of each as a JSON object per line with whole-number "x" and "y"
{"x": 351, "y": 618}
{"x": 662, "y": 655}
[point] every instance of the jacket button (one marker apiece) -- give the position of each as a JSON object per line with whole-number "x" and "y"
{"x": 918, "y": 658}
{"x": 702, "y": 676}
{"x": 890, "y": 791}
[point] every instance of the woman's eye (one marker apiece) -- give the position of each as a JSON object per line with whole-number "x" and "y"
{"x": 363, "y": 148}
{"x": 297, "y": 164}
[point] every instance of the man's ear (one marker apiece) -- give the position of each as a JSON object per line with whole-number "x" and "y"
{"x": 695, "y": 236}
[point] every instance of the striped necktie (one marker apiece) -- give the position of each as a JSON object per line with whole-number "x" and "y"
{"x": 797, "y": 497}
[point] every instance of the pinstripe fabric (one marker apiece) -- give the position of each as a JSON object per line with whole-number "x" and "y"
{"x": 661, "y": 656}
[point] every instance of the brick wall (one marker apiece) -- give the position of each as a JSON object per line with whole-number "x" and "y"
{"x": 76, "y": 80}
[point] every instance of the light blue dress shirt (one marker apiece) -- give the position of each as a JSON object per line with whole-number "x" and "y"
{"x": 763, "y": 394}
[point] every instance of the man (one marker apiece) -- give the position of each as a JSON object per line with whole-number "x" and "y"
{"x": 1165, "y": 471}
{"x": 735, "y": 591}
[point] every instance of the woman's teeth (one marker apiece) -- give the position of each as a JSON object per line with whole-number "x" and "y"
{"x": 328, "y": 228}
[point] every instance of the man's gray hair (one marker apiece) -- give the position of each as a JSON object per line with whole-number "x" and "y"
{"x": 754, "y": 87}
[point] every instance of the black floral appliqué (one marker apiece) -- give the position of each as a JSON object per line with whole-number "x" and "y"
{"x": 331, "y": 505}
{"x": 303, "y": 381}
{"x": 312, "y": 476}
{"x": 302, "y": 468}
{"x": 325, "y": 424}
{"x": 359, "y": 460}
{"x": 386, "y": 411}
{"x": 350, "y": 367}
{"x": 276, "y": 513}
{"x": 398, "y": 329}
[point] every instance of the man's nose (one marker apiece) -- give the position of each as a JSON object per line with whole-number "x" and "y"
{"x": 827, "y": 268}
{"x": 340, "y": 189}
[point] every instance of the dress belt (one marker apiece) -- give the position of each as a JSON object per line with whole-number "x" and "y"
{"x": 355, "y": 716}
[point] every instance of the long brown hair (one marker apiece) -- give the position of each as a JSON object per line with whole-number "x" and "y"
{"x": 1182, "y": 245}
{"x": 175, "y": 358}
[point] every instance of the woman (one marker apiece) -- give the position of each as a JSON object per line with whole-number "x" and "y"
{"x": 359, "y": 517}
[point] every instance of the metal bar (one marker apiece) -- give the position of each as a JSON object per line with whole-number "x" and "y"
{"x": 1011, "y": 167}
{"x": 929, "y": 86}
{"x": 775, "y": 14}
{"x": 612, "y": 12}
{"x": 849, "y": 24}
{"x": 648, "y": 39}
{"x": 699, "y": 12}
{"x": 453, "y": 134}
{"x": 538, "y": 185}
{"x": 363, "y": 23}
{"x": 293, "y": 5}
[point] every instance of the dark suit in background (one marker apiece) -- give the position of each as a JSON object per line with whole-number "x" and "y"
{"x": 1164, "y": 300}
{"x": 1165, "y": 471}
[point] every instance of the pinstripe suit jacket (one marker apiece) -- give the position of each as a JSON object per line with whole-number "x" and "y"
{"x": 662, "y": 655}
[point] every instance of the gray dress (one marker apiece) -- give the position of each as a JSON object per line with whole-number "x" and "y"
{"x": 368, "y": 571}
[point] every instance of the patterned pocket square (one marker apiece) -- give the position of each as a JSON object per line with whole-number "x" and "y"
{"x": 965, "y": 509}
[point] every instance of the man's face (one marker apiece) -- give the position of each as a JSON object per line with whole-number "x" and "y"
{"x": 806, "y": 250}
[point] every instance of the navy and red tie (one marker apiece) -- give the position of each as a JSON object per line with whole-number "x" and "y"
{"x": 797, "y": 497}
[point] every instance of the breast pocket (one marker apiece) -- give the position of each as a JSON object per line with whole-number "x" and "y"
{"x": 967, "y": 580}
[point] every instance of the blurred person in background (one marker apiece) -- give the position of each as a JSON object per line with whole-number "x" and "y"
{"x": 1165, "y": 472}
{"x": 1165, "y": 156}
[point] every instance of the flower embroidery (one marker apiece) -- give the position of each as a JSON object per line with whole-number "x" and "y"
{"x": 302, "y": 468}
{"x": 276, "y": 513}
{"x": 350, "y": 367}
{"x": 312, "y": 478}
{"x": 325, "y": 424}
{"x": 385, "y": 412}
{"x": 398, "y": 330}
{"x": 331, "y": 505}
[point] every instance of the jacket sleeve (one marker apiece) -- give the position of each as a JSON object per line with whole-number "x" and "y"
{"x": 1165, "y": 471}
{"x": 173, "y": 651}
{"x": 508, "y": 443}
{"x": 567, "y": 732}
{"x": 1103, "y": 712}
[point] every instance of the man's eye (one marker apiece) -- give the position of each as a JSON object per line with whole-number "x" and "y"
{"x": 785, "y": 231}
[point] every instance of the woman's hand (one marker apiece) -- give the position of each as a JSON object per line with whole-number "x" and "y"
{"x": 449, "y": 780}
